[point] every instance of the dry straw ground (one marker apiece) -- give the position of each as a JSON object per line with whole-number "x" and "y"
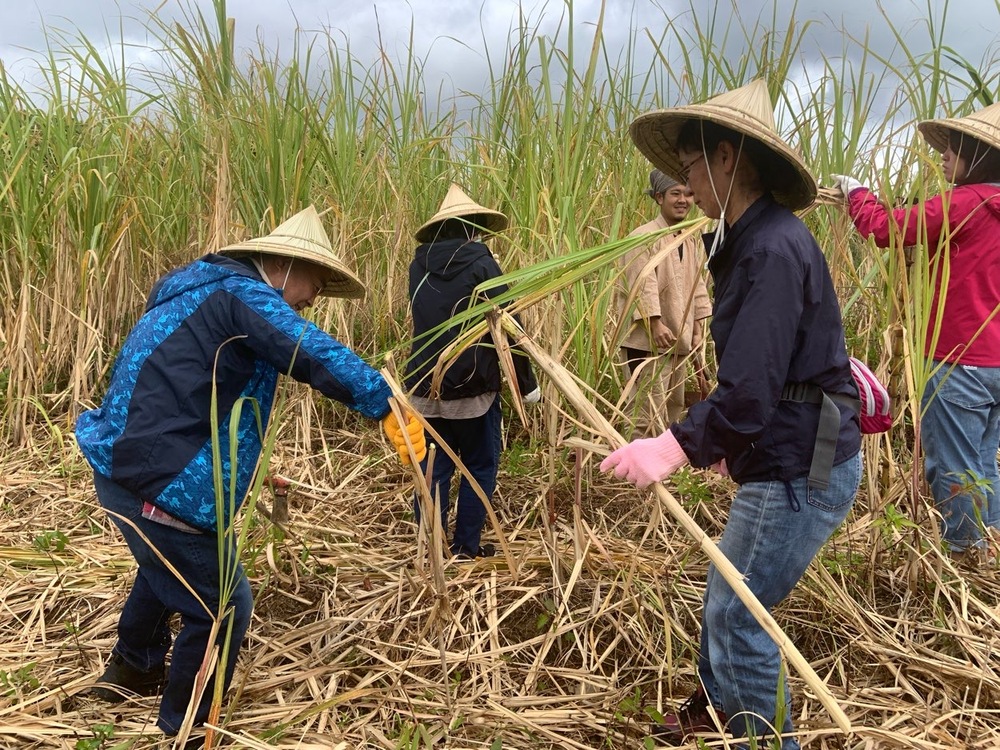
{"x": 357, "y": 642}
{"x": 351, "y": 646}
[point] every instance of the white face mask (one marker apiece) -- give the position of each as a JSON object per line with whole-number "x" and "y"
{"x": 267, "y": 279}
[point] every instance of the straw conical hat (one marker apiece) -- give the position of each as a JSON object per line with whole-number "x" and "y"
{"x": 303, "y": 237}
{"x": 457, "y": 204}
{"x": 983, "y": 125}
{"x": 747, "y": 110}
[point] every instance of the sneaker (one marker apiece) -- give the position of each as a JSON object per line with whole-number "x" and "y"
{"x": 485, "y": 550}
{"x": 693, "y": 716}
{"x": 121, "y": 680}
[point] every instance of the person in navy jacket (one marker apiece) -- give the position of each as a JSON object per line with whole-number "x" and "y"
{"x": 215, "y": 334}
{"x": 777, "y": 330}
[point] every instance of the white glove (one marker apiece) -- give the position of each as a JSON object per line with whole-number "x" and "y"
{"x": 534, "y": 397}
{"x": 845, "y": 184}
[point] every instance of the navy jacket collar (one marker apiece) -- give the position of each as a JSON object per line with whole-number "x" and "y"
{"x": 733, "y": 233}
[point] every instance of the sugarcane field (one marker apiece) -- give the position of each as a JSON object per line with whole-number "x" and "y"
{"x": 579, "y": 375}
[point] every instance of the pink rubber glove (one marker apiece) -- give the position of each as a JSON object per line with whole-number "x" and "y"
{"x": 645, "y": 461}
{"x": 720, "y": 466}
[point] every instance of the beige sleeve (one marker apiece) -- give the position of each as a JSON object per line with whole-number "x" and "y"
{"x": 702, "y": 302}
{"x": 647, "y": 299}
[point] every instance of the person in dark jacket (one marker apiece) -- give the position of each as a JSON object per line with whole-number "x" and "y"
{"x": 214, "y": 337}
{"x": 448, "y": 265}
{"x": 777, "y": 328}
{"x": 960, "y": 406}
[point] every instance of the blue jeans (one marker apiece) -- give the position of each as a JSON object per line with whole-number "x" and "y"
{"x": 143, "y": 628}
{"x": 773, "y": 532}
{"x": 477, "y": 443}
{"x": 960, "y": 429}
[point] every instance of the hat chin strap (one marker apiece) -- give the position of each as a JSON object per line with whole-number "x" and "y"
{"x": 971, "y": 167}
{"x": 720, "y": 233}
{"x": 720, "y": 229}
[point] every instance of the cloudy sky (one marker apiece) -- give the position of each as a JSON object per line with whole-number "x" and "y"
{"x": 451, "y": 36}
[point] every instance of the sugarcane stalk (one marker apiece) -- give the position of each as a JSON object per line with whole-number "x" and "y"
{"x": 399, "y": 403}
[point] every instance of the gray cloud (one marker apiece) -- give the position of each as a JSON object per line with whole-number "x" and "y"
{"x": 452, "y": 36}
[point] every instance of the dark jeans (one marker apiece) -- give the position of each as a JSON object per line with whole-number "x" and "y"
{"x": 477, "y": 443}
{"x": 143, "y": 628}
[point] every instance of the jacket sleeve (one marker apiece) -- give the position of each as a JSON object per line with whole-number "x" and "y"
{"x": 647, "y": 298}
{"x": 526, "y": 381}
{"x": 294, "y": 346}
{"x": 873, "y": 219}
{"x": 754, "y": 363}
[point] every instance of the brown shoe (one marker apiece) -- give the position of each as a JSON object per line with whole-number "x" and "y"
{"x": 974, "y": 558}
{"x": 693, "y": 716}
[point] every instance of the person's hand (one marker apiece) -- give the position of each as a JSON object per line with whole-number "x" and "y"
{"x": 704, "y": 389}
{"x": 662, "y": 336}
{"x": 720, "y": 466}
{"x": 648, "y": 460}
{"x": 534, "y": 397}
{"x": 413, "y": 429}
{"x": 845, "y": 184}
{"x": 697, "y": 334}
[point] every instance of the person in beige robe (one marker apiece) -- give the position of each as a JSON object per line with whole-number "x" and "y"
{"x": 669, "y": 301}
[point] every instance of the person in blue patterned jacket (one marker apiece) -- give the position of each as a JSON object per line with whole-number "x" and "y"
{"x": 223, "y": 327}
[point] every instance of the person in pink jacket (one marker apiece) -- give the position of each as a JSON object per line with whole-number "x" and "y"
{"x": 960, "y": 426}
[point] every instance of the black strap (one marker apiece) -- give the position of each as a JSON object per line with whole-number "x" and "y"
{"x": 828, "y": 429}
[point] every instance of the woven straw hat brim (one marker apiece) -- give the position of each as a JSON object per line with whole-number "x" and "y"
{"x": 457, "y": 205}
{"x": 983, "y": 126}
{"x": 494, "y": 222}
{"x": 303, "y": 237}
{"x": 655, "y": 135}
{"x": 342, "y": 283}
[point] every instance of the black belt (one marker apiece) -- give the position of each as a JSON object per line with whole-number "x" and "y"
{"x": 829, "y": 426}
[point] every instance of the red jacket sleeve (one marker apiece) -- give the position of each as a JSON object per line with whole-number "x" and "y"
{"x": 926, "y": 220}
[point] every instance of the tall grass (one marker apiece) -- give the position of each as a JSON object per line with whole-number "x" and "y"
{"x": 107, "y": 186}
{"x": 110, "y": 182}
{"x": 113, "y": 179}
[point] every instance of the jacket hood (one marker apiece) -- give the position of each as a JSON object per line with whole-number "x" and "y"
{"x": 206, "y": 271}
{"x": 448, "y": 258}
{"x": 989, "y": 193}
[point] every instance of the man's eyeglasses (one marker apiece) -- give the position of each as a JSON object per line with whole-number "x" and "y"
{"x": 686, "y": 168}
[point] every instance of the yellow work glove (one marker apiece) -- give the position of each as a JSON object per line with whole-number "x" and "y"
{"x": 395, "y": 434}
